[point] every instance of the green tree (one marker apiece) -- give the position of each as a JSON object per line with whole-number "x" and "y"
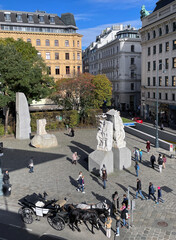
{"x": 102, "y": 91}
{"x": 21, "y": 70}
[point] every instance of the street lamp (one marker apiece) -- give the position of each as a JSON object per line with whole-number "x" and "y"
{"x": 157, "y": 84}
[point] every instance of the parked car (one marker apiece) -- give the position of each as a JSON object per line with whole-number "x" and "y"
{"x": 137, "y": 119}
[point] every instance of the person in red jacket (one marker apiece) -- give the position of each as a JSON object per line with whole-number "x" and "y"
{"x": 148, "y": 146}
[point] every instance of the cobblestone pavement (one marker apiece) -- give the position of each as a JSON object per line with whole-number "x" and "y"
{"x": 54, "y": 173}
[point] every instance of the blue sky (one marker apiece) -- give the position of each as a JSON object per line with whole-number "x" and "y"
{"x": 92, "y": 16}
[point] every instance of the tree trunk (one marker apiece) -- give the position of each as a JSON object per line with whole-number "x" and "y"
{"x": 6, "y": 120}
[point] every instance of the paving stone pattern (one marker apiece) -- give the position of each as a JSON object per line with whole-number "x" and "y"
{"x": 54, "y": 173}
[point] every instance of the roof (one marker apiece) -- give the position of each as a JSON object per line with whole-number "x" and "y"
{"x": 162, "y": 3}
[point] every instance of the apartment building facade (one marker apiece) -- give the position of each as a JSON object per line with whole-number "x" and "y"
{"x": 158, "y": 39}
{"x": 117, "y": 53}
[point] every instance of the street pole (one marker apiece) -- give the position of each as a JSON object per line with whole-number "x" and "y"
{"x": 157, "y": 79}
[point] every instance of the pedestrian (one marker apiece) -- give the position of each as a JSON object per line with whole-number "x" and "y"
{"x": 117, "y": 226}
{"x": 140, "y": 154}
{"x": 124, "y": 213}
{"x": 137, "y": 168}
{"x": 136, "y": 154}
{"x": 72, "y": 132}
{"x": 79, "y": 180}
{"x": 31, "y": 165}
{"x": 6, "y": 178}
{"x": 125, "y": 200}
{"x": 139, "y": 189}
{"x": 152, "y": 160}
{"x": 162, "y": 126}
{"x": 151, "y": 191}
{"x": 82, "y": 184}
{"x": 164, "y": 161}
{"x": 160, "y": 163}
{"x": 115, "y": 199}
{"x": 104, "y": 178}
{"x": 159, "y": 196}
{"x": 148, "y": 146}
{"x": 108, "y": 223}
{"x": 74, "y": 158}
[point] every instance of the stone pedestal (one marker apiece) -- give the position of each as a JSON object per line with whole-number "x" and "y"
{"x": 97, "y": 159}
{"x": 44, "y": 141}
{"x": 122, "y": 158}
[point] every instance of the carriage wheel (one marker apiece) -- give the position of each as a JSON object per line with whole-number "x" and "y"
{"x": 57, "y": 223}
{"x": 26, "y": 215}
{"x": 20, "y": 211}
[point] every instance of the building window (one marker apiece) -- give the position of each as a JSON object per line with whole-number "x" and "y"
{"x": 49, "y": 70}
{"x": 41, "y": 19}
{"x": 47, "y": 42}
{"x": 167, "y": 46}
{"x": 132, "y": 48}
{"x": 160, "y": 81}
{"x": 29, "y": 40}
{"x": 173, "y": 97}
{"x": 174, "y": 62}
{"x": 39, "y": 54}
{"x": 77, "y": 43}
{"x": 148, "y": 94}
{"x": 148, "y": 81}
{"x": 148, "y": 51}
{"x": 56, "y": 56}
{"x": 132, "y": 86}
{"x": 154, "y": 34}
{"x": 66, "y": 43}
{"x": 57, "y": 70}
{"x": 166, "y": 96}
{"x": 148, "y": 66}
{"x": 166, "y": 81}
{"x": 154, "y": 50}
{"x": 174, "y": 44}
{"x": 19, "y": 18}
{"x": 56, "y": 43}
{"x": 47, "y": 56}
{"x": 78, "y": 56}
{"x": 173, "y": 81}
{"x": 52, "y": 20}
{"x": 159, "y": 95}
{"x": 154, "y": 95}
{"x": 7, "y": 17}
{"x": 154, "y": 65}
{"x": 73, "y": 56}
{"x": 167, "y": 29}
{"x": 67, "y": 56}
{"x": 67, "y": 70}
{"x": 174, "y": 26}
{"x": 160, "y": 64}
{"x": 78, "y": 69}
{"x": 38, "y": 42}
{"x": 148, "y": 36}
{"x": 160, "y": 48}
{"x": 160, "y": 31}
{"x": 73, "y": 43}
{"x": 30, "y": 18}
{"x": 154, "y": 81}
{"x": 167, "y": 63}
{"x": 132, "y": 61}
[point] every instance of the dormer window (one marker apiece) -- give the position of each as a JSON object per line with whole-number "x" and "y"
{"x": 30, "y": 18}
{"x": 19, "y": 18}
{"x": 52, "y": 20}
{"x": 41, "y": 19}
{"x": 7, "y": 17}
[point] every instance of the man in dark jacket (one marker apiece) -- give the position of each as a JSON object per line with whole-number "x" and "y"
{"x": 153, "y": 159}
{"x": 139, "y": 189}
{"x": 160, "y": 163}
{"x": 6, "y": 178}
{"x": 151, "y": 191}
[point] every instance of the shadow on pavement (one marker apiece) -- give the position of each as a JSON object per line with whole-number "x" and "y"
{"x": 73, "y": 182}
{"x": 83, "y": 147}
{"x": 96, "y": 180}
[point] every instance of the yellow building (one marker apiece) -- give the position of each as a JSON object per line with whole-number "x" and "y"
{"x": 54, "y": 37}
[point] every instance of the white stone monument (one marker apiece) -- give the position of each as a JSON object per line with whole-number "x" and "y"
{"x": 23, "y": 128}
{"x": 42, "y": 139}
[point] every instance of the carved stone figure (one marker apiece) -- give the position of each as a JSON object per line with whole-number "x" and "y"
{"x": 144, "y": 12}
{"x": 105, "y": 136}
{"x": 41, "y": 123}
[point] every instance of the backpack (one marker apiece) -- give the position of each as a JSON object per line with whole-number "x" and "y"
{"x": 127, "y": 216}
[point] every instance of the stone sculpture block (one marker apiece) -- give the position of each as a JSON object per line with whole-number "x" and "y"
{"x": 41, "y": 123}
{"x": 122, "y": 158}
{"x": 105, "y": 136}
{"x": 44, "y": 141}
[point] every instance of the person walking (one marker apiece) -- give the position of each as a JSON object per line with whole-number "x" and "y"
{"x": 152, "y": 160}
{"x": 82, "y": 184}
{"x": 104, "y": 178}
{"x": 117, "y": 226}
{"x": 6, "y": 178}
{"x": 125, "y": 200}
{"x": 108, "y": 223}
{"x": 31, "y": 165}
{"x": 139, "y": 189}
{"x": 115, "y": 199}
{"x": 151, "y": 191}
{"x": 160, "y": 163}
{"x": 148, "y": 146}
{"x": 137, "y": 168}
{"x": 74, "y": 158}
{"x": 123, "y": 214}
{"x": 79, "y": 180}
{"x": 164, "y": 161}
{"x": 72, "y": 132}
{"x": 140, "y": 155}
{"x": 159, "y": 196}
{"x": 136, "y": 154}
